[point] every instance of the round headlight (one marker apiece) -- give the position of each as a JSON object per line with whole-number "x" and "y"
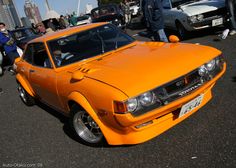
{"x": 211, "y": 65}
{"x": 132, "y": 104}
{"x": 193, "y": 18}
{"x": 202, "y": 70}
{"x": 199, "y": 17}
{"x": 146, "y": 99}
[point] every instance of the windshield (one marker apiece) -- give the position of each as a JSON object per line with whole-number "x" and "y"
{"x": 87, "y": 44}
{"x": 176, "y": 3}
{"x": 22, "y": 33}
{"x": 103, "y": 11}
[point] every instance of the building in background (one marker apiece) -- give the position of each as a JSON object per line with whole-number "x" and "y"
{"x": 8, "y": 14}
{"x": 26, "y": 22}
{"x": 88, "y": 8}
{"x": 50, "y": 13}
{"x": 32, "y": 12}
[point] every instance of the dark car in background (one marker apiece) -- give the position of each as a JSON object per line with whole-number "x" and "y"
{"x": 23, "y": 36}
{"x": 108, "y": 13}
{"x": 85, "y": 19}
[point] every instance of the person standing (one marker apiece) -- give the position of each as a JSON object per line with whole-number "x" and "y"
{"x": 51, "y": 25}
{"x": 126, "y": 10}
{"x": 73, "y": 19}
{"x": 62, "y": 22}
{"x": 231, "y": 7}
{"x": 8, "y": 43}
{"x": 154, "y": 16}
{"x": 40, "y": 28}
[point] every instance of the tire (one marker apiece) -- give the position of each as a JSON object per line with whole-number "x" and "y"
{"x": 85, "y": 128}
{"x": 183, "y": 33}
{"x": 25, "y": 97}
{"x": 1, "y": 71}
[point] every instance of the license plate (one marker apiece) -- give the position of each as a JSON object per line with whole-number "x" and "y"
{"x": 217, "y": 22}
{"x": 191, "y": 105}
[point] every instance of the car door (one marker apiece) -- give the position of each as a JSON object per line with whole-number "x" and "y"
{"x": 42, "y": 77}
{"x": 26, "y": 63}
{"x": 168, "y": 14}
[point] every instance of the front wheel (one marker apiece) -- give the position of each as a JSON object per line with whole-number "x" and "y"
{"x": 85, "y": 127}
{"x": 183, "y": 33}
{"x": 25, "y": 97}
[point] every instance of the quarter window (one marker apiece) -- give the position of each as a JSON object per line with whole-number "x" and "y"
{"x": 40, "y": 56}
{"x": 28, "y": 54}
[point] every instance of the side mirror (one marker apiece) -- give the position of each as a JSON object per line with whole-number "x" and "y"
{"x": 173, "y": 39}
{"x": 77, "y": 76}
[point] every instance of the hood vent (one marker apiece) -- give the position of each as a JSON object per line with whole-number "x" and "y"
{"x": 84, "y": 70}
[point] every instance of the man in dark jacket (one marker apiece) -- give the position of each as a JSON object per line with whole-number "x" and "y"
{"x": 62, "y": 22}
{"x": 51, "y": 25}
{"x": 231, "y": 6}
{"x": 8, "y": 43}
{"x": 153, "y": 13}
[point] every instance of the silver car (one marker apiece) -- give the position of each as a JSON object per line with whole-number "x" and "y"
{"x": 190, "y": 15}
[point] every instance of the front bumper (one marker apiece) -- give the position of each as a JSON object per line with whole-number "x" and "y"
{"x": 161, "y": 119}
{"x": 206, "y": 23}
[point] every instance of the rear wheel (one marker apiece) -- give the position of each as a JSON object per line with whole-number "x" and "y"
{"x": 1, "y": 71}
{"x": 25, "y": 97}
{"x": 85, "y": 127}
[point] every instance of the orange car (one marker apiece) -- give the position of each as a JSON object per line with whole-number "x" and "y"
{"x": 113, "y": 87}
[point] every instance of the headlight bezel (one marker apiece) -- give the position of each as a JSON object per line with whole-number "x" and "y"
{"x": 211, "y": 67}
{"x": 196, "y": 18}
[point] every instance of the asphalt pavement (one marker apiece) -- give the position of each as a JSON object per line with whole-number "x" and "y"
{"x": 39, "y": 137}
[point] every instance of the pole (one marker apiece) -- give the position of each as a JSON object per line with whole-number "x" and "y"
{"x": 78, "y": 8}
{"x": 48, "y": 5}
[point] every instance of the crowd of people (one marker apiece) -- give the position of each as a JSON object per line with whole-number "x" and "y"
{"x": 53, "y": 24}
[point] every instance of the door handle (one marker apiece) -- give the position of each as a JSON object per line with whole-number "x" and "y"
{"x": 31, "y": 71}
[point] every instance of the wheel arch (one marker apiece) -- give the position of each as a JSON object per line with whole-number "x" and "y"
{"x": 76, "y": 98}
{"x": 24, "y": 84}
{"x": 177, "y": 21}
{"x": 80, "y": 100}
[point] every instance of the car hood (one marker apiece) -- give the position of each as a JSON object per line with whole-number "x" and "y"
{"x": 202, "y": 7}
{"x": 148, "y": 65}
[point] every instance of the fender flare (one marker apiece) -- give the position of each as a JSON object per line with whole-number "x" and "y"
{"x": 24, "y": 83}
{"x": 83, "y": 102}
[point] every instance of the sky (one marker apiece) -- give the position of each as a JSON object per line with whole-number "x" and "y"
{"x": 60, "y": 6}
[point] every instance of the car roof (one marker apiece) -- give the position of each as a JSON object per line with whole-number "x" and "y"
{"x": 66, "y": 32}
{"x": 104, "y": 6}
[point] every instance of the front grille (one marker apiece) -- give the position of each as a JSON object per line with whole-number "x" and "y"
{"x": 179, "y": 88}
{"x": 172, "y": 91}
{"x": 209, "y": 16}
{"x": 218, "y": 12}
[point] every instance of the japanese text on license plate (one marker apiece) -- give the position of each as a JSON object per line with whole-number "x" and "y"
{"x": 191, "y": 105}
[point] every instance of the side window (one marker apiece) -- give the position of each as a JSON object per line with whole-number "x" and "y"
{"x": 28, "y": 54}
{"x": 40, "y": 56}
{"x": 166, "y": 4}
